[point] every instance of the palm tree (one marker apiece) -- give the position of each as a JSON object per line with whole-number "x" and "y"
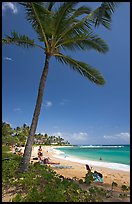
{"x": 62, "y": 28}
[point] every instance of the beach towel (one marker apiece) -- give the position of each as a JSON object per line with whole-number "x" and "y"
{"x": 61, "y": 166}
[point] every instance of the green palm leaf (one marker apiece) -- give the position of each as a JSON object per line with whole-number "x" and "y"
{"x": 62, "y": 14}
{"x": 35, "y": 14}
{"x": 19, "y": 40}
{"x": 72, "y": 17}
{"x": 76, "y": 28}
{"x": 80, "y": 11}
{"x": 49, "y": 5}
{"x": 103, "y": 14}
{"x": 84, "y": 69}
{"x": 85, "y": 42}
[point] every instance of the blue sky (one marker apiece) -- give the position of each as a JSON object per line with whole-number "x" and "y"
{"x": 73, "y": 107}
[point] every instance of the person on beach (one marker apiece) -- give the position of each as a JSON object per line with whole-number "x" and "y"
{"x": 12, "y": 148}
{"x": 88, "y": 168}
{"x": 40, "y": 154}
{"x": 46, "y": 161}
{"x": 20, "y": 153}
{"x": 16, "y": 149}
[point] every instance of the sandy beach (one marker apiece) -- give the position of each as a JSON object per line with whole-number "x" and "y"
{"x": 79, "y": 171}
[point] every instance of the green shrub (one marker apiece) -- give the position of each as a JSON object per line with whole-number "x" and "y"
{"x": 17, "y": 198}
{"x": 125, "y": 188}
{"x": 114, "y": 184}
{"x": 89, "y": 178}
{"x": 80, "y": 181}
{"x": 9, "y": 168}
{"x": 124, "y": 195}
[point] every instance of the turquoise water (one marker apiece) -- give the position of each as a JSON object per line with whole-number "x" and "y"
{"x": 114, "y": 153}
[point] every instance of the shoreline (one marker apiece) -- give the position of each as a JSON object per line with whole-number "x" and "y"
{"x": 105, "y": 164}
{"x": 78, "y": 169}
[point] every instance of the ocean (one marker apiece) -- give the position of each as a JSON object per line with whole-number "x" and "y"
{"x": 110, "y": 156}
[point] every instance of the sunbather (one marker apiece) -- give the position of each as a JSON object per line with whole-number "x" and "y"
{"x": 46, "y": 161}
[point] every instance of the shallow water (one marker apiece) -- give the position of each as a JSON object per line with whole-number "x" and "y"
{"x": 114, "y": 156}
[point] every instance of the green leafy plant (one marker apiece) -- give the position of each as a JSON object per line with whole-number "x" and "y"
{"x": 114, "y": 184}
{"x": 81, "y": 181}
{"x": 17, "y": 198}
{"x": 122, "y": 195}
{"x": 89, "y": 178}
{"x": 125, "y": 188}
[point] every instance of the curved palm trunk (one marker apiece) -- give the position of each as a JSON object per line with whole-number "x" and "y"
{"x": 30, "y": 140}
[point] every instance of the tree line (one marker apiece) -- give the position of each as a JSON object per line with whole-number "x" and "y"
{"x": 19, "y": 135}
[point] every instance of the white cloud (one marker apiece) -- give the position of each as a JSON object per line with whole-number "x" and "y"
{"x": 17, "y": 109}
{"x": 9, "y": 5}
{"x": 8, "y": 122}
{"x": 8, "y": 58}
{"x": 64, "y": 102}
{"x": 48, "y": 104}
{"x": 58, "y": 134}
{"x": 123, "y": 136}
{"x": 80, "y": 136}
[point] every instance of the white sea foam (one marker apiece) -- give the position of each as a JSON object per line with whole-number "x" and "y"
{"x": 100, "y": 146}
{"x": 58, "y": 152}
{"x": 116, "y": 166}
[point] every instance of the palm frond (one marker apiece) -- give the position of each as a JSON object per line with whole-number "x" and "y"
{"x": 69, "y": 21}
{"x": 73, "y": 18}
{"x": 103, "y": 14}
{"x": 65, "y": 10}
{"x": 19, "y": 40}
{"x": 49, "y": 5}
{"x": 80, "y": 11}
{"x": 36, "y": 14}
{"x": 84, "y": 69}
{"x": 84, "y": 42}
{"x": 77, "y": 28}
{"x": 111, "y": 6}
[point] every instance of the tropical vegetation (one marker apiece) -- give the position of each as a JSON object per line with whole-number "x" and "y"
{"x": 19, "y": 135}
{"x": 59, "y": 27}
